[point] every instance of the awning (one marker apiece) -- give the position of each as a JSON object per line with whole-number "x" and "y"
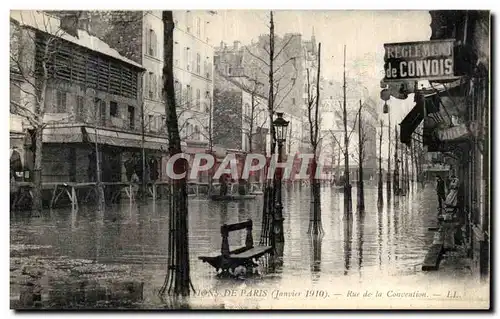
{"x": 439, "y": 108}
{"x": 457, "y": 133}
{"x": 411, "y": 121}
{"x": 124, "y": 139}
{"x": 83, "y": 134}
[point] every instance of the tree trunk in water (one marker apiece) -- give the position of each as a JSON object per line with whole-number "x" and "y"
{"x": 315, "y": 226}
{"x": 37, "y": 173}
{"x": 380, "y": 182}
{"x": 361, "y": 190}
{"x": 177, "y": 281}
{"x": 389, "y": 161}
{"x": 269, "y": 190}
{"x": 395, "y": 185}
{"x": 347, "y": 184}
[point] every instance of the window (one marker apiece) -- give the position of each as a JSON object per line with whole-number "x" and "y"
{"x": 197, "y": 133}
{"x": 229, "y": 69}
{"x": 187, "y": 56}
{"x": 198, "y": 61}
{"x": 152, "y": 85}
{"x": 113, "y": 109}
{"x": 163, "y": 123}
{"x": 150, "y": 123}
{"x": 202, "y": 32}
{"x": 189, "y": 97}
{"x": 100, "y": 111}
{"x": 188, "y": 21}
{"x": 131, "y": 117}
{"x": 209, "y": 100}
{"x": 198, "y": 104}
{"x": 80, "y": 108}
{"x": 293, "y": 101}
{"x": 248, "y": 110}
{"x": 181, "y": 95}
{"x": 198, "y": 27}
{"x": 152, "y": 42}
{"x": 177, "y": 53}
{"x": 15, "y": 96}
{"x": 209, "y": 70}
{"x": 60, "y": 102}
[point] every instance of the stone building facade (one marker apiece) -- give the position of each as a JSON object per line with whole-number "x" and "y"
{"x": 296, "y": 55}
{"x": 138, "y": 35}
{"x": 92, "y": 93}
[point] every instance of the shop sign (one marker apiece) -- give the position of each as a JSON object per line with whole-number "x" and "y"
{"x": 427, "y": 60}
{"x": 457, "y": 132}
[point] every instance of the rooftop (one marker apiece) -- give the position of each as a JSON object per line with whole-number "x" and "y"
{"x": 42, "y": 22}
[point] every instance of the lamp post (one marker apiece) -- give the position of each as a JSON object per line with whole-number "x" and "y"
{"x": 386, "y": 96}
{"x": 280, "y": 127}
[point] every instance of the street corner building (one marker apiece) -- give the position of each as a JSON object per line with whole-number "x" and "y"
{"x": 450, "y": 78}
{"x": 100, "y": 74}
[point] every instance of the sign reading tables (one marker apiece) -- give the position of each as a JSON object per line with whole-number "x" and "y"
{"x": 428, "y": 60}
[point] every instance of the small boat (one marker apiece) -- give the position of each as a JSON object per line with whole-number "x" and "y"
{"x": 231, "y": 197}
{"x": 257, "y": 192}
{"x": 338, "y": 189}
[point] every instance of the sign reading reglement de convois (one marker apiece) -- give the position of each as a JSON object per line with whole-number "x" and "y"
{"x": 429, "y": 60}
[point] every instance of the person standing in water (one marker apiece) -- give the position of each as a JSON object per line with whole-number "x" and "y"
{"x": 440, "y": 189}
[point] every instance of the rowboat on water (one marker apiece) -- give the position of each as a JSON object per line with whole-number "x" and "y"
{"x": 231, "y": 197}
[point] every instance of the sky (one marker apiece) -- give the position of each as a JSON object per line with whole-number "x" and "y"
{"x": 363, "y": 32}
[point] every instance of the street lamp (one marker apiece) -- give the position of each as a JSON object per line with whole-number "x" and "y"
{"x": 386, "y": 96}
{"x": 280, "y": 128}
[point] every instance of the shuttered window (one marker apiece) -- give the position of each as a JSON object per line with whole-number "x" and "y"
{"x": 80, "y": 108}
{"x": 60, "y": 102}
{"x": 76, "y": 64}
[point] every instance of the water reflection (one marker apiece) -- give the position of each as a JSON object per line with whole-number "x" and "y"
{"x": 360, "y": 231}
{"x": 316, "y": 242}
{"x": 389, "y": 237}
{"x": 347, "y": 244}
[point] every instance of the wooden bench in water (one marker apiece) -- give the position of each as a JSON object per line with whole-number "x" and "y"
{"x": 242, "y": 256}
{"x": 231, "y": 197}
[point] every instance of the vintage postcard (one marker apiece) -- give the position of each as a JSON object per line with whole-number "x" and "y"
{"x": 249, "y": 159}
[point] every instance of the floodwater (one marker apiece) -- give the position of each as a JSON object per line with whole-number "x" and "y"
{"x": 375, "y": 250}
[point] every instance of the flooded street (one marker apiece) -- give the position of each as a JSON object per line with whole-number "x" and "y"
{"x": 377, "y": 248}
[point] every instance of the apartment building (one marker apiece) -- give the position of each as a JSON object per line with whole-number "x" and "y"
{"x": 92, "y": 95}
{"x": 292, "y": 63}
{"x": 193, "y": 74}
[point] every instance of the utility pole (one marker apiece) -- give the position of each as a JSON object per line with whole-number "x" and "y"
{"x": 396, "y": 164}
{"x": 389, "y": 159}
{"x": 347, "y": 186}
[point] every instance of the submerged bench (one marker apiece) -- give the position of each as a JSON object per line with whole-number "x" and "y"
{"x": 242, "y": 256}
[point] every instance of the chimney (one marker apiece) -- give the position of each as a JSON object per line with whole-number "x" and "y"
{"x": 84, "y": 24}
{"x": 69, "y": 22}
{"x": 236, "y": 45}
{"x": 222, "y": 45}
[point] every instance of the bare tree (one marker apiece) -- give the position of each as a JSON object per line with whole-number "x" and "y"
{"x": 362, "y": 138}
{"x": 313, "y": 99}
{"x": 380, "y": 182}
{"x": 177, "y": 281}
{"x": 347, "y": 184}
{"x": 272, "y": 63}
{"x": 34, "y": 44}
